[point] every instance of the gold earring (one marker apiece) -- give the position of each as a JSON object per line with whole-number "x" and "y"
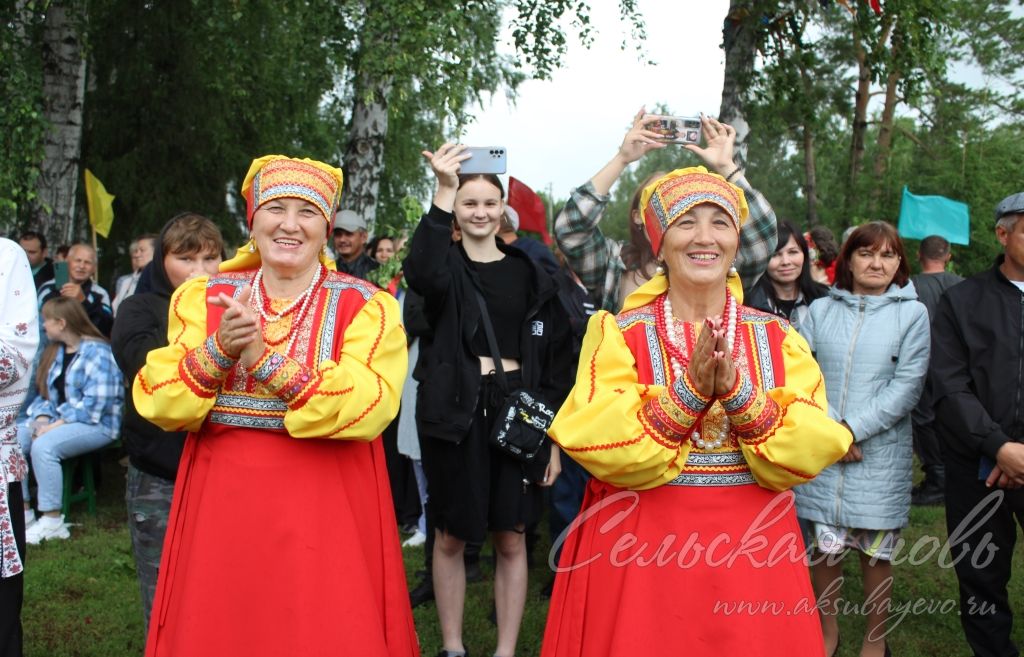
{"x": 252, "y": 245}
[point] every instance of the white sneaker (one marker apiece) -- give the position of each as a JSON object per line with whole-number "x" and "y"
{"x": 418, "y": 538}
{"x": 30, "y": 517}
{"x": 47, "y": 529}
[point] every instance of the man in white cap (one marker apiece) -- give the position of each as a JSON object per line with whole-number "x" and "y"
{"x": 977, "y": 380}
{"x": 350, "y": 245}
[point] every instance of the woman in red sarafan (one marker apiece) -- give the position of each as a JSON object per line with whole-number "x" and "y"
{"x": 695, "y": 415}
{"x": 282, "y": 537}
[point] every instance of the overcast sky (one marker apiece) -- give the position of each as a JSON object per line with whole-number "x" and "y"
{"x": 561, "y": 131}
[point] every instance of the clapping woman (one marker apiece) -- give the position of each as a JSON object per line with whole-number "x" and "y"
{"x": 281, "y": 538}
{"x": 695, "y": 415}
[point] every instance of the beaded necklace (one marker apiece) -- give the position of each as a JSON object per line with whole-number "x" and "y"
{"x": 270, "y": 317}
{"x": 714, "y": 422}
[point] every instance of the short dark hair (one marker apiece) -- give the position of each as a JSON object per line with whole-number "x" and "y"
{"x": 189, "y": 232}
{"x": 934, "y": 247}
{"x": 873, "y": 235}
{"x": 824, "y": 244}
{"x": 33, "y": 235}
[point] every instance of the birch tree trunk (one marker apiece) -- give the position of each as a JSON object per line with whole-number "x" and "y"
{"x": 364, "y": 155}
{"x": 63, "y": 97}
{"x": 739, "y": 41}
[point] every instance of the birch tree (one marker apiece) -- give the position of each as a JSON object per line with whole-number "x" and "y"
{"x": 63, "y": 96}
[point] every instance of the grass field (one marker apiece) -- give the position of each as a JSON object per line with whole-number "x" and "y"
{"x": 82, "y": 597}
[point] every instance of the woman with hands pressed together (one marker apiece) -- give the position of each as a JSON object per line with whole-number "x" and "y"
{"x": 473, "y": 487}
{"x": 611, "y": 271}
{"x": 282, "y": 537}
{"x": 695, "y": 415}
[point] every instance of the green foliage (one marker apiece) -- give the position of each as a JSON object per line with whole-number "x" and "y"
{"x": 399, "y": 227}
{"x": 948, "y": 139}
{"x": 21, "y": 120}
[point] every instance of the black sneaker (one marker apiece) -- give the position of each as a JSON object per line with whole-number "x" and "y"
{"x": 473, "y": 572}
{"x": 447, "y": 653}
{"x": 423, "y": 593}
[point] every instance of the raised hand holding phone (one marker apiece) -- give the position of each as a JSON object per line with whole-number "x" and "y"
{"x": 445, "y": 163}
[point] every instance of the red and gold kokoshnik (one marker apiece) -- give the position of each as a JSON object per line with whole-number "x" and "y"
{"x": 276, "y": 176}
{"x": 676, "y": 193}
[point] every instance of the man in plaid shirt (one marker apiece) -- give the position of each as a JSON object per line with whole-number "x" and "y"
{"x": 597, "y": 260}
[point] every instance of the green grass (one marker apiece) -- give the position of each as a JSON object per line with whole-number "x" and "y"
{"x": 82, "y": 598}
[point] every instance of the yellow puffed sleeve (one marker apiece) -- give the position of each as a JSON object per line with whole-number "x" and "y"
{"x": 601, "y": 425}
{"x": 794, "y": 439}
{"x": 166, "y": 391}
{"x": 355, "y": 397}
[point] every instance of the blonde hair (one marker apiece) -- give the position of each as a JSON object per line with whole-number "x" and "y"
{"x": 75, "y": 320}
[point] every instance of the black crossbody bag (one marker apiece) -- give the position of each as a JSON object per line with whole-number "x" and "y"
{"x": 520, "y": 430}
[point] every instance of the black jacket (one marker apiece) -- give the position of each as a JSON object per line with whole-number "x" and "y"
{"x": 439, "y": 270}
{"x": 44, "y": 274}
{"x": 977, "y": 365}
{"x": 140, "y": 327}
{"x": 360, "y": 267}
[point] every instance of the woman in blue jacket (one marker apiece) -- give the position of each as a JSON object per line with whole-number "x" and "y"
{"x": 871, "y": 338}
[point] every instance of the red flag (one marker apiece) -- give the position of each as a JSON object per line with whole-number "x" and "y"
{"x": 532, "y": 215}
{"x": 876, "y": 5}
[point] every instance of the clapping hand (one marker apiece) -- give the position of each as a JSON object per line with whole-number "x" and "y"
{"x": 239, "y": 333}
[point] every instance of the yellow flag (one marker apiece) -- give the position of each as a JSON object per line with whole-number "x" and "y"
{"x": 101, "y": 210}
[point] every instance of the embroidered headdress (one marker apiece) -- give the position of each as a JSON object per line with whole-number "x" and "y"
{"x": 277, "y": 176}
{"x": 676, "y": 193}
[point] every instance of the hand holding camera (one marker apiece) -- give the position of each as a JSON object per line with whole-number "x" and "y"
{"x": 641, "y": 138}
{"x": 721, "y": 140}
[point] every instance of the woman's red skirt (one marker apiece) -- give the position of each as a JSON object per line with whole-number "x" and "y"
{"x": 281, "y": 546}
{"x": 683, "y": 570}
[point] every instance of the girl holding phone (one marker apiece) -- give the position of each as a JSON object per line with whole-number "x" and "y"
{"x": 473, "y": 488}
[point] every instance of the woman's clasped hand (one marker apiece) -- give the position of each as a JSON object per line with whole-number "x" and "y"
{"x": 711, "y": 367}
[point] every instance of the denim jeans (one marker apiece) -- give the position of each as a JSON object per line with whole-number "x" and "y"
{"x": 45, "y": 453}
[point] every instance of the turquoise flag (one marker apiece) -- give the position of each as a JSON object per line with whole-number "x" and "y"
{"x": 921, "y": 216}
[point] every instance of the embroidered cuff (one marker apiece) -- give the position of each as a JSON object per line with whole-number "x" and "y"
{"x": 674, "y": 412}
{"x": 752, "y": 413}
{"x": 205, "y": 367}
{"x": 284, "y": 377}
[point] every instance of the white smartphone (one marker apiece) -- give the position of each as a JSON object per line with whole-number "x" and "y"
{"x": 485, "y": 159}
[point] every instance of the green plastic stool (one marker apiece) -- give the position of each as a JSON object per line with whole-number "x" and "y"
{"x": 88, "y": 492}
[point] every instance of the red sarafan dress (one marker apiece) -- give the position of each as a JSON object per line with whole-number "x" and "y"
{"x": 688, "y": 542}
{"x": 282, "y": 538}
